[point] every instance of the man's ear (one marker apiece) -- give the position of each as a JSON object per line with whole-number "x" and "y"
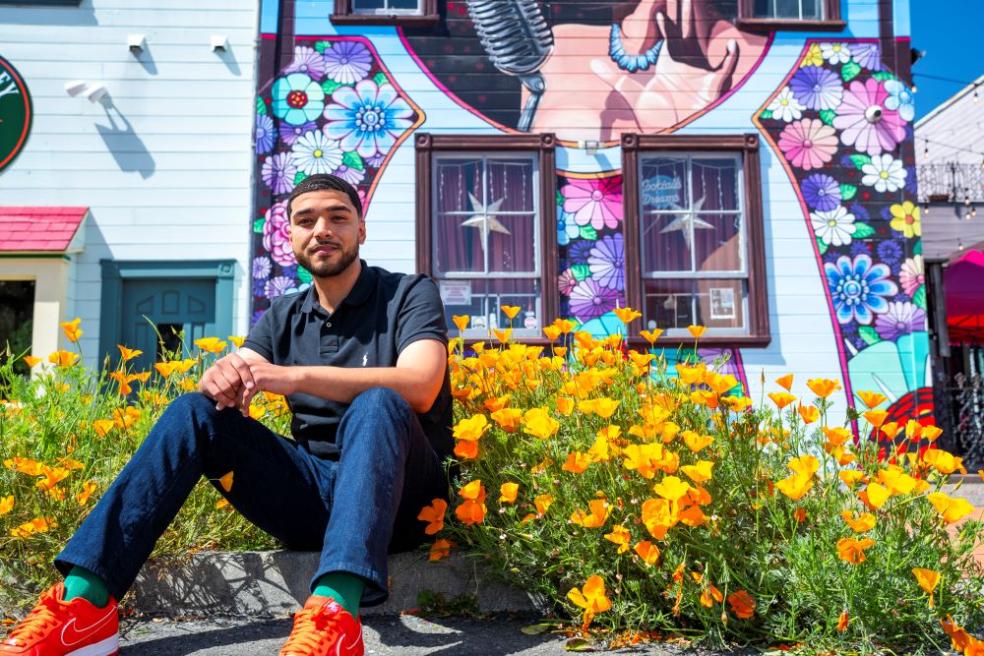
{"x": 362, "y": 231}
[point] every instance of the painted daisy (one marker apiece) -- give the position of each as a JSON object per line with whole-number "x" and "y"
{"x": 884, "y": 173}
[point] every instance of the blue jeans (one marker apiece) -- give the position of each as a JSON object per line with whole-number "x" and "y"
{"x": 353, "y": 510}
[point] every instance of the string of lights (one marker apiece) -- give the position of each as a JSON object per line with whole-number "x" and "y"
{"x": 942, "y": 78}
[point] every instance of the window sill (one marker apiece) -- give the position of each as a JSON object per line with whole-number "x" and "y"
{"x": 402, "y": 20}
{"x": 640, "y": 344}
{"x": 788, "y": 24}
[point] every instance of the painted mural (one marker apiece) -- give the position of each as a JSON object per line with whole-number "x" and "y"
{"x": 842, "y": 125}
{"x": 588, "y": 70}
{"x": 332, "y": 109}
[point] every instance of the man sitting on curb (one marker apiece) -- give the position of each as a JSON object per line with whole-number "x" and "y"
{"x": 362, "y": 358}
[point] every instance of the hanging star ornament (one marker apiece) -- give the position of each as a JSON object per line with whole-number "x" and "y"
{"x": 484, "y": 219}
{"x": 687, "y": 222}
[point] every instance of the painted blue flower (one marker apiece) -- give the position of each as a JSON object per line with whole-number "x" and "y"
{"x": 367, "y": 118}
{"x": 579, "y": 251}
{"x": 817, "y": 88}
{"x": 297, "y": 99}
{"x": 900, "y": 99}
{"x": 889, "y": 252}
{"x": 265, "y": 134}
{"x": 566, "y": 228}
{"x": 859, "y": 288}
{"x": 821, "y": 192}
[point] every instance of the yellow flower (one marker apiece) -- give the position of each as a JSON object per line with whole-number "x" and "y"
{"x": 103, "y": 426}
{"x": 651, "y": 335}
{"x": 813, "y": 57}
{"x": 510, "y": 310}
{"x": 72, "y": 330}
{"x": 696, "y": 442}
{"x": 905, "y": 219}
{"x": 874, "y": 496}
{"x": 596, "y": 516}
{"x": 951, "y": 509}
{"x": 538, "y": 423}
{"x": 927, "y": 579}
{"x": 6, "y": 504}
{"x": 942, "y": 461}
{"x": 591, "y": 598}
{"x": 809, "y": 413}
{"x": 671, "y": 488}
{"x": 823, "y": 387}
{"x": 24, "y": 466}
{"x": 467, "y": 433}
{"x": 876, "y": 417}
{"x": 861, "y": 524}
{"x": 543, "y": 503}
{"x": 837, "y": 436}
{"x": 211, "y": 344}
{"x": 659, "y": 516}
{"x": 796, "y": 486}
{"x": 620, "y": 536}
{"x": 699, "y": 472}
{"x": 36, "y": 525}
{"x": 852, "y": 550}
{"x": 627, "y": 315}
{"x": 461, "y": 321}
{"x": 63, "y": 358}
{"x": 508, "y": 492}
{"x": 31, "y": 361}
{"x": 127, "y": 353}
{"x": 508, "y": 418}
{"x": 237, "y": 340}
{"x": 871, "y": 399}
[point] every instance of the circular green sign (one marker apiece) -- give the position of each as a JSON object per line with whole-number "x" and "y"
{"x": 15, "y": 113}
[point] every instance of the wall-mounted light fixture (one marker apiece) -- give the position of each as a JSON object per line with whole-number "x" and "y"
{"x": 96, "y": 92}
{"x": 136, "y": 42}
{"x": 219, "y": 42}
{"x": 74, "y": 87}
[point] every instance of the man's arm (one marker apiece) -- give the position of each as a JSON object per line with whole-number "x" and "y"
{"x": 229, "y": 378}
{"x": 417, "y": 377}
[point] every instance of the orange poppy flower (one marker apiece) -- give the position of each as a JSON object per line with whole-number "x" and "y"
{"x": 434, "y": 515}
{"x": 785, "y": 382}
{"x": 508, "y": 492}
{"x": 742, "y": 604}
{"x": 823, "y": 387}
{"x": 852, "y": 550}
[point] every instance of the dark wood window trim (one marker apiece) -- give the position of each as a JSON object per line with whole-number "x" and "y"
{"x": 831, "y": 21}
{"x": 345, "y": 16}
{"x": 544, "y": 146}
{"x": 748, "y": 145}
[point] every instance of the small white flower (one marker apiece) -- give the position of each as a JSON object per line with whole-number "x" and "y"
{"x": 786, "y": 107}
{"x": 884, "y": 173}
{"x": 834, "y": 227}
{"x": 315, "y": 153}
{"x": 835, "y": 53}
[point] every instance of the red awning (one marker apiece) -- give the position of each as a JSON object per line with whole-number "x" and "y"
{"x": 963, "y": 287}
{"x": 39, "y": 229}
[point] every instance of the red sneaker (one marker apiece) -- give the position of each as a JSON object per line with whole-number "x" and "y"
{"x": 324, "y": 628}
{"x": 65, "y": 628}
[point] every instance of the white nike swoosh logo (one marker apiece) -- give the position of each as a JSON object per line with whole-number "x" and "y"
{"x": 338, "y": 647}
{"x": 83, "y": 633}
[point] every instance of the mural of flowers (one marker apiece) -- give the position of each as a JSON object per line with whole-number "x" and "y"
{"x": 859, "y": 194}
{"x": 589, "y": 300}
{"x": 333, "y": 108}
{"x": 607, "y": 262}
{"x": 596, "y": 202}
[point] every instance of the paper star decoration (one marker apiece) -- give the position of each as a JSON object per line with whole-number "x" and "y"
{"x": 484, "y": 219}
{"x": 687, "y": 222}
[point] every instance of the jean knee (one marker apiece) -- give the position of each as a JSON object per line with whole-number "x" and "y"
{"x": 376, "y": 399}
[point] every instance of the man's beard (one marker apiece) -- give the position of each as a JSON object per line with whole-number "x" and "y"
{"x": 327, "y": 269}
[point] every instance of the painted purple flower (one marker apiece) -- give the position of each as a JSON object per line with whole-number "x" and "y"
{"x": 261, "y": 267}
{"x": 350, "y": 174}
{"x": 822, "y": 192}
{"x": 376, "y": 160}
{"x": 858, "y": 288}
{"x": 900, "y": 319}
{"x": 278, "y": 172}
{"x": 566, "y": 282}
{"x": 866, "y": 122}
{"x": 291, "y": 133}
{"x": 866, "y": 55}
{"x": 817, "y": 88}
{"x": 590, "y": 300}
{"x": 277, "y": 286}
{"x": 889, "y": 252}
{"x": 309, "y": 61}
{"x": 607, "y": 262}
{"x": 265, "y": 134}
{"x": 347, "y": 62}
{"x": 275, "y": 236}
{"x": 579, "y": 251}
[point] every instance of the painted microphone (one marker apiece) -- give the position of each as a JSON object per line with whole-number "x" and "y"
{"x": 518, "y": 40}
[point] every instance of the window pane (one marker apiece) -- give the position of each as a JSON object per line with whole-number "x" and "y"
{"x": 715, "y": 183}
{"x": 510, "y": 185}
{"x": 668, "y": 304}
{"x": 459, "y": 185}
{"x": 16, "y": 318}
{"x": 763, "y": 8}
{"x": 721, "y": 303}
{"x": 663, "y": 183}
{"x": 458, "y": 244}
{"x": 812, "y": 9}
{"x": 787, "y": 8}
{"x": 482, "y": 298}
{"x": 512, "y": 243}
{"x": 717, "y": 242}
{"x": 403, "y": 4}
{"x": 666, "y": 242}
{"x": 368, "y": 5}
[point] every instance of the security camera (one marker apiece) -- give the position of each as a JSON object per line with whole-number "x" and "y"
{"x": 137, "y": 43}
{"x": 219, "y": 42}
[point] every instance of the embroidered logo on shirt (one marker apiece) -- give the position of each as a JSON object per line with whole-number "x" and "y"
{"x": 365, "y": 359}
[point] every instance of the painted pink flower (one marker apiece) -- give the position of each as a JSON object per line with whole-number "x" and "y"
{"x": 865, "y": 122}
{"x": 912, "y": 275}
{"x": 566, "y": 282}
{"x": 808, "y": 144}
{"x": 275, "y": 237}
{"x": 597, "y": 202}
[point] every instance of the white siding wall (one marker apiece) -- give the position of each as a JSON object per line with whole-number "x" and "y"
{"x": 166, "y": 170}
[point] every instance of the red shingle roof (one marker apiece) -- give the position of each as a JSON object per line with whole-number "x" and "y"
{"x": 45, "y": 229}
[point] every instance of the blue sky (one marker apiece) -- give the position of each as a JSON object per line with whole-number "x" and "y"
{"x": 951, "y": 39}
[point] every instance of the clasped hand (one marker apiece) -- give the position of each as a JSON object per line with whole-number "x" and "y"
{"x": 233, "y": 381}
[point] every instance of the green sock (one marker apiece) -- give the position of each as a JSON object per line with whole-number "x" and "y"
{"x": 344, "y": 588}
{"x": 83, "y": 583}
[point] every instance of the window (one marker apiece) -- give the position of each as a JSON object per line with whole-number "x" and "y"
{"x": 486, "y": 228}
{"x": 16, "y": 320}
{"x": 693, "y": 213}
{"x": 390, "y": 12}
{"x": 790, "y": 14}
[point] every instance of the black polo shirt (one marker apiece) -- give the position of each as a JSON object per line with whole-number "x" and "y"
{"x": 381, "y": 316}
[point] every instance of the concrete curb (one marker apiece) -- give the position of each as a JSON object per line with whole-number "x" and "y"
{"x": 271, "y": 584}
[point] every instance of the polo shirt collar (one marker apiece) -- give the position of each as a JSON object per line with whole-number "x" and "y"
{"x": 358, "y": 295}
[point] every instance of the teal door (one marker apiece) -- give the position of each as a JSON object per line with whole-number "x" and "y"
{"x": 166, "y": 308}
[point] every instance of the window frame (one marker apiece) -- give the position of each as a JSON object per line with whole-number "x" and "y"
{"x": 344, "y": 14}
{"x": 832, "y": 20}
{"x": 542, "y": 147}
{"x": 745, "y": 145}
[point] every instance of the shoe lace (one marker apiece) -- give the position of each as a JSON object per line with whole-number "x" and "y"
{"x": 311, "y": 627}
{"x": 39, "y": 622}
